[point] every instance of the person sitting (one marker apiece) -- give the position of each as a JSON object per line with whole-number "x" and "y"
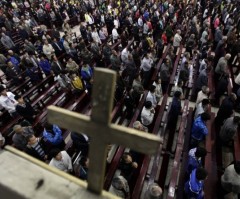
{"x": 80, "y": 142}
{"x": 194, "y": 186}
{"x": 7, "y": 101}
{"x": 199, "y": 129}
{"x": 25, "y": 109}
{"x": 119, "y": 187}
{"x": 19, "y": 137}
{"x": 147, "y": 113}
{"x": 77, "y": 84}
{"x": 195, "y": 157}
{"x": 61, "y": 160}
{"x": 230, "y": 180}
{"x": 138, "y": 126}
{"x": 53, "y": 135}
{"x": 36, "y": 147}
{"x": 72, "y": 65}
{"x": 127, "y": 166}
{"x": 153, "y": 192}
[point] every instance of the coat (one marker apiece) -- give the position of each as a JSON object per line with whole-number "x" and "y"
{"x": 199, "y": 129}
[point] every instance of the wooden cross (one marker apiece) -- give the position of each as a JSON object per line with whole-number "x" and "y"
{"x": 100, "y": 129}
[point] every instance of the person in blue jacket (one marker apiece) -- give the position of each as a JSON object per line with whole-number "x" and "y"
{"x": 199, "y": 129}
{"x": 53, "y": 135}
{"x": 87, "y": 76}
{"x": 194, "y": 186}
{"x": 195, "y": 157}
{"x": 45, "y": 65}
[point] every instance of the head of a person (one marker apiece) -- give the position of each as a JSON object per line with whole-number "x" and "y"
{"x": 158, "y": 80}
{"x": 205, "y": 116}
{"x": 227, "y": 56}
{"x": 154, "y": 191}
{"x": 178, "y": 94}
{"x": 205, "y": 102}
{"x": 48, "y": 126}
{"x": 205, "y": 90}
{"x": 127, "y": 158}
{"x": 31, "y": 139}
{"x": 233, "y": 97}
{"x": 200, "y": 152}
{"x": 19, "y": 98}
{"x": 9, "y": 64}
{"x": 138, "y": 125}
{"x": 18, "y": 129}
{"x": 118, "y": 182}
{"x": 84, "y": 161}
{"x": 148, "y": 105}
{"x": 56, "y": 154}
{"x": 201, "y": 174}
{"x": 152, "y": 88}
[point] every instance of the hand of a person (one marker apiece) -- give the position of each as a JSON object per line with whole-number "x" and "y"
{"x": 134, "y": 165}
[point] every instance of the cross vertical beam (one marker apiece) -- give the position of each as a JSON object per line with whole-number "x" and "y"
{"x": 100, "y": 130}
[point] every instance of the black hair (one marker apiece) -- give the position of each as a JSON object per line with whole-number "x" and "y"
{"x": 205, "y": 116}
{"x": 17, "y": 97}
{"x": 177, "y": 94}
{"x": 53, "y": 153}
{"x": 148, "y": 104}
{"x": 152, "y": 88}
{"x": 200, "y": 152}
{"x": 205, "y": 102}
{"x": 201, "y": 174}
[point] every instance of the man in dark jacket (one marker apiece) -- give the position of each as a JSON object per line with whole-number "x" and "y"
{"x": 25, "y": 109}
{"x": 36, "y": 147}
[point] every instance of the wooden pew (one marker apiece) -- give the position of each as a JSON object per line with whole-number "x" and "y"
{"x": 158, "y": 67}
{"x": 182, "y": 176}
{"x": 146, "y": 161}
{"x": 210, "y": 185}
{"x": 178, "y": 154}
{"x": 175, "y": 67}
{"x": 115, "y": 161}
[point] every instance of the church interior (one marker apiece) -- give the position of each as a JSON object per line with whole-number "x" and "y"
{"x": 136, "y": 99}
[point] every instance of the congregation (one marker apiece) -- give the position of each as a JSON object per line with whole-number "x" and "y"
{"x": 179, "y": 50}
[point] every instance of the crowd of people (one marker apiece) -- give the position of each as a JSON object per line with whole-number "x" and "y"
{"x": 129, "y": 37}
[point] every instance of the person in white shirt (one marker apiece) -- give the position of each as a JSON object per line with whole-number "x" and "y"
{"x": 61, "y": 160}
{"x": 177, "y": 40}
{"x": 102, "y": 35}
{"x": 124, "y": 54}
{"x": 203, "y": 94}
{"x": 115, "y": 35}
{"x": 48, "y": 50}
{"x": 7, "y": 101}
{"x": 151, "y": 96}
{"x": 146, "y": 66}
{"x": 95, "y": 36}
{"x": 140, "y": 21}
{"x": 116, "y": 22}
{"x": 158, "y": 89}
{"x": 147, "y": 114}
